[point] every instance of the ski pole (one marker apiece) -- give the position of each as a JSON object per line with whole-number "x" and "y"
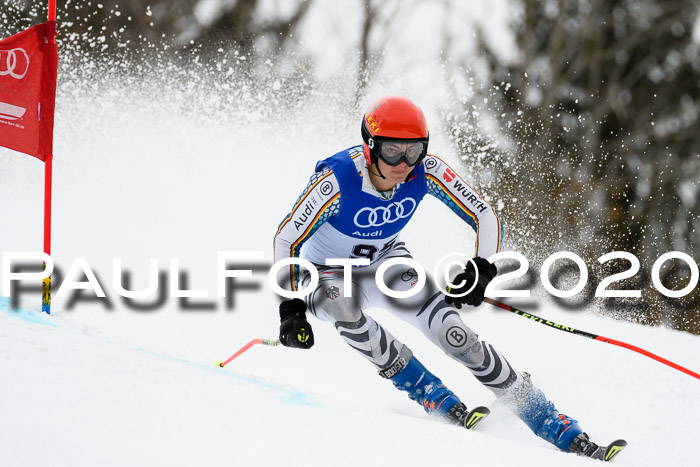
{"x": 591, "y": 336}
{"x": 271, "y": 343}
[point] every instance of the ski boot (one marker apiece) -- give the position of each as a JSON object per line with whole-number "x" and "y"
{"x": 559, "y": 429}
{"x": 427, "y": 389}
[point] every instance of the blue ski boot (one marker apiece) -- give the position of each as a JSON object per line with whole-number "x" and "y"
{"x": 546, "y": 422}
{"x": 560, "y": 430}
{"x": 427, "y": 389}
{"x": 424, "y": 387}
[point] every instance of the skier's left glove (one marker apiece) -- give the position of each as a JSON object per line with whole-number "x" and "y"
{"x": 487, "y": 272}
{"x": 295, "y": 331}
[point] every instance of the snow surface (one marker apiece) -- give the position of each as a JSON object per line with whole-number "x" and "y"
{"x": 180, "y": 166}
{"x": 83, "y": 394}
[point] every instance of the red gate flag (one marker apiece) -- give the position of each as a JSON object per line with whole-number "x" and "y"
{"x": 28, "y": 69}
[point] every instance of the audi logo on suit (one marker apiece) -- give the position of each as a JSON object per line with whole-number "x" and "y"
{"x": 376, "y": 217}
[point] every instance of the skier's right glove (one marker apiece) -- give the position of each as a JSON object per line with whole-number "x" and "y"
{"x": 295, "y": 331}
{"x": 487, "y": 271}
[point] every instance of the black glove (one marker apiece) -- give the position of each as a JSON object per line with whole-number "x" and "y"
{"x": 487, "y": 272}
{"x": 295, "y": 331}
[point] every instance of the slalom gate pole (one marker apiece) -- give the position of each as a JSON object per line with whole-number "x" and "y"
{"x": 46, "y": 283}
{"x": 48, "y": 177}
{"x": 591, "y": 336}
{"x": 268, "y": 342}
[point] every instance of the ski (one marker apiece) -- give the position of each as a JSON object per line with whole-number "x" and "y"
{"x": 614, "y": 449}
{"x": 475, "y": 416}
{"x": 583, "y": 446}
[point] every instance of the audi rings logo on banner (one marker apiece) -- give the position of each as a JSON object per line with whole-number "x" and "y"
{"x": 14, "y": 62}
{"x": 376, "y": 217}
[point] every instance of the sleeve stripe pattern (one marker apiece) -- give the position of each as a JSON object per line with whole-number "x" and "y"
{"x": 474, "y": 220}
{"x": 437, "y": 183}
{"x": 296, "y": 246}
{"x": 301, "y": 199}
{"x": 498, "y": 218}
{"x": 500, "y": 230}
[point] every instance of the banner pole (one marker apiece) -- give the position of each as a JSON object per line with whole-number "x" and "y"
{"x": 48, "y": 176}
{"x": 52, "y": 10}
{"x": 46, "y": 283}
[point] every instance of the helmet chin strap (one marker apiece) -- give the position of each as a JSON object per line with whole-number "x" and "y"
{"x": 380, "y": 174}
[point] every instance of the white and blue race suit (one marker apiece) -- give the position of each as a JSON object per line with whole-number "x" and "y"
{"x": 340, "y": 214}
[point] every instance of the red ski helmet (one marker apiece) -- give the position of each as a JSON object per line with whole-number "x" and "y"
{"x": 391, "y": 120}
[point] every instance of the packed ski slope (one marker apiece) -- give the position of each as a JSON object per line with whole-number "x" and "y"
{"x": 165, "y": 169}
{"x": 82, "y": 394}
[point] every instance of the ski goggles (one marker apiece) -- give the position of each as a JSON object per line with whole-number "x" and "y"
{"x": 393, "y": 152}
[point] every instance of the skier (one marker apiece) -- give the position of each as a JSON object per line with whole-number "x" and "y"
{"x": 354, "y": 206}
